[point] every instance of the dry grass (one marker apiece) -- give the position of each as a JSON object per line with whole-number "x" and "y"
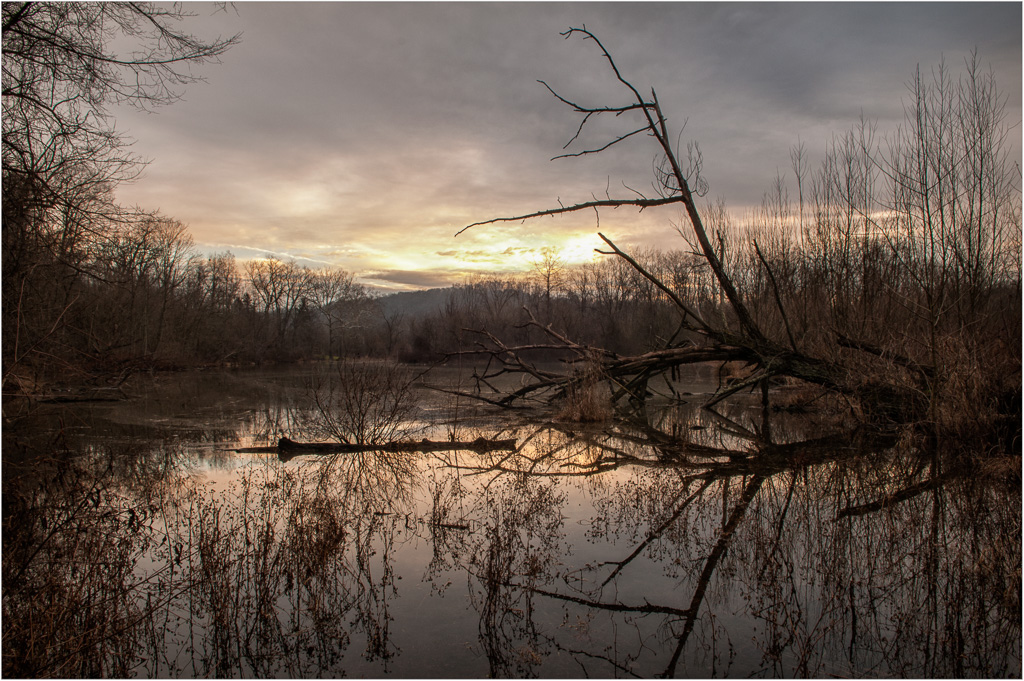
{"x": 71, "y": 605}
{"x": 1001, "y": 469}
{"x": 971, "y": 385}
{"x": 587, "y": 399}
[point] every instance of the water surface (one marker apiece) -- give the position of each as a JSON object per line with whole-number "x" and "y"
{"x": 760, "y": 549}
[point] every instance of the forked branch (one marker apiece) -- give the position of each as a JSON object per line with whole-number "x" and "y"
{"x": 686, "y": 309}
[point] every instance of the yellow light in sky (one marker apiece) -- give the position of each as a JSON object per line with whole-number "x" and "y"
{"x": 488, "y": 252}
{"x": 579, "y": 248}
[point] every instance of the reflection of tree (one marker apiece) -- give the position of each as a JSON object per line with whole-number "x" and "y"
{"x": 897, "y": 592}
{"x": 117, "y": 570}
{"x": 517, "y": 549}
{"x": 280, "y": 418}
{"x": 854, "y": 557}
{"x": 61, "y": 614}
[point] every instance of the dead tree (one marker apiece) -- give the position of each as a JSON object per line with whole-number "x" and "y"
{"x": 709, "y": 340}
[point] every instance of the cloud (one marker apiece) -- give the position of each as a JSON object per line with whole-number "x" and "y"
{"x": 415, "y": 279}
{"x": 367, "y": 134}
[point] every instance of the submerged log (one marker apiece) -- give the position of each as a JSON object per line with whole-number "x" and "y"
{"x": 89, "y": 395}
{"x": 286, "y": 446}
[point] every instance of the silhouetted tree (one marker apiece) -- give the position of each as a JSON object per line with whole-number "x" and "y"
{"x": 64, "y": 65}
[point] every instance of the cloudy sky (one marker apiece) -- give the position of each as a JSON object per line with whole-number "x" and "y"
{"x": 364, "y": 135}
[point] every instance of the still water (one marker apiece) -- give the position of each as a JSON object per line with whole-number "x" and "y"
{"x": 608, "y": 551}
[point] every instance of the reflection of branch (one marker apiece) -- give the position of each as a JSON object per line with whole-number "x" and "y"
{"x": 731, "y": 426}
{"x": 596, "y": 469}
{"x": 735, "y": 387}
{"x": 586, "y": 653}
{"x": 688, "y": 615}
{"x": 673, "y": 449}
{"x": 703, "y": 461}
{"x": 781, "y": 521}
{"x": 740, "y": 510}
{"x": 499, "y": 466}
{"x": 894, "y": 498}
{"x": 646, "y": 608}
{"x": 620, "y": 564}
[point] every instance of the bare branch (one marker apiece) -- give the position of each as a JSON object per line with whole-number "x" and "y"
{"x": 607, "y": 203}
{"x": 687, "y": 310}
{"x": 775, "y": 291}
{"x": 600, "y": 149}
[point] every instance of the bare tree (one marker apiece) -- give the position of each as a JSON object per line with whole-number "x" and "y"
{"x": 281, "y": 288}
{"x": 944, "y": 240}
{"x": 549, "y": 272}
{"x": 331, "y": 292}
{"x": 146, "y": 263}
{"x": 64, "y": 66}
{"x": 61, "y": 72}
{"x": 673, "y": 183}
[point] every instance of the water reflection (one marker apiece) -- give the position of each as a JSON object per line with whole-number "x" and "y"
{"x": 684, "y": 544}
{"x": 838, "y": 574}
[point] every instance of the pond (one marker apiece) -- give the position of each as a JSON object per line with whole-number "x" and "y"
{"x": 139, "y": 541}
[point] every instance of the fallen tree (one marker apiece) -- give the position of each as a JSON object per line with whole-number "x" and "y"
{"x": 880, "y": 380}
{"x": 288, "y": 448}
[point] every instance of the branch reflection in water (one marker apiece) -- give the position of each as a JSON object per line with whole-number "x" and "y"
{"x": 836, "y": 554}
{"x": 685, "y": 542}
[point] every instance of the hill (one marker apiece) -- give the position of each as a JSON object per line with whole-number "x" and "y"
{"x": 414, "y": 303}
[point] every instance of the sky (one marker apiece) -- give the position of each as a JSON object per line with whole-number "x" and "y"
{"x": 365, "y": 135}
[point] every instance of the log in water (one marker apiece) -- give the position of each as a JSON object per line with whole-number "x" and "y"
{"x": 293, "y": 448}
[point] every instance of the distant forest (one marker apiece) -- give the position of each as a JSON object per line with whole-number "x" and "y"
{"x": 141, "y": 298}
